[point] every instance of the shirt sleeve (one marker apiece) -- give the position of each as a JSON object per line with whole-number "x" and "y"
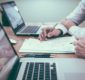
{"x": 77, "y": 31}
{"x": 78, "y": 14}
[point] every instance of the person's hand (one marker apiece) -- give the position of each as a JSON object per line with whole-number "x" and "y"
{"x": 80, "y": 47}
{"x": 48, "y": 32}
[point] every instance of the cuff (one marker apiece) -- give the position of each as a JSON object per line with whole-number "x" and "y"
{"x": 77, "y": 31}
{"x": 62, "y": 28}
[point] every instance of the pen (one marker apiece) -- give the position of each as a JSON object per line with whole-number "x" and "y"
{"x": 55, "y": 25}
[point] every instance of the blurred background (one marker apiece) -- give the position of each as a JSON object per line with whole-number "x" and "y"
{"x": 45, "y": 10}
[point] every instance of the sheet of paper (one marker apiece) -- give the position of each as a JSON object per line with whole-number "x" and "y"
{"x": 58, "y": 45}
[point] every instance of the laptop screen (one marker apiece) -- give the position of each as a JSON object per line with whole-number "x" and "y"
{"x": 13, "y": 14}
{"x": 6, "y": 54}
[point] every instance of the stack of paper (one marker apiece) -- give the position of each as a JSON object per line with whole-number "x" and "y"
{"x": 57, "y": 45}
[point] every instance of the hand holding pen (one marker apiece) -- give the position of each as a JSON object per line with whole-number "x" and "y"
{"x": 49, "y": 33}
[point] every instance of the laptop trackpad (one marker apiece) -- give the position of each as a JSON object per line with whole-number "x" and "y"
{"x": 74, "y": 76}
{"x": 71, "y": 69}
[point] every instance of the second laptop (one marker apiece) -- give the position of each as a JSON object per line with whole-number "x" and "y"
{"x": 16, "y": 21}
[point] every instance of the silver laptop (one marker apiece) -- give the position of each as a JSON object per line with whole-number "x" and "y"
{"x": 12, "y": 67}
{"x": 16, "y": 21}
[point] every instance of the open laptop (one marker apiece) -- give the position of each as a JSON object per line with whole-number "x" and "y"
{"x": 12, "y": 67}
{"x": 16, "y": 21}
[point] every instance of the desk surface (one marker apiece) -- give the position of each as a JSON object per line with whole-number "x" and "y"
{"x": 20, "y": 40}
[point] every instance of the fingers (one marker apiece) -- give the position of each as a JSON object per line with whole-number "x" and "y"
{"x": 80, "y": 46}
{"x": 79, "y": 49}
{"x": 80, "y": 52}
{"x": 43, "y": 35}
{"x": 54, "y": 33}
{"x": 49, "y": 32}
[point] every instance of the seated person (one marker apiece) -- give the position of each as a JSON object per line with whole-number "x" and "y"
{"x": 70, "y": 25}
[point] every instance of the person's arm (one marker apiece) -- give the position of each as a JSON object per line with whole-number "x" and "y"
{"x": 78, "y": 14}
{"x": 74, "y": 19}
{"x": 65, "y": 25}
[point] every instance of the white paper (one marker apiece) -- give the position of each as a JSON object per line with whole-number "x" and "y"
{"x": 58, "y": 45}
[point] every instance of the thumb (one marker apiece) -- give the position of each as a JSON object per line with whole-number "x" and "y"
{"x": 52, "y": 34}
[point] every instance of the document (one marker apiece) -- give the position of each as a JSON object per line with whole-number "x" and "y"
{"x": 57, "y": 45}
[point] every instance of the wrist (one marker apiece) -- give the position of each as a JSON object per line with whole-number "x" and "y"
{"x": 67, "y": 23}
{"x": 60, "y": 32}
{"x": 62, "y": 28}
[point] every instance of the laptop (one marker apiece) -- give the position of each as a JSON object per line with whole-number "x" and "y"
{"x": 12, "y": 67}
{"x": 16, "y": 21}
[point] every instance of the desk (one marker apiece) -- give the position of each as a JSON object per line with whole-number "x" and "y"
{"x": 20, "y": 40}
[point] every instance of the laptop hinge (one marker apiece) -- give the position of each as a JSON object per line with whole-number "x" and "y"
{"x": 15, "y": 70}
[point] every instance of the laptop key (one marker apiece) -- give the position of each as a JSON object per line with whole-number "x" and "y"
{"x": 53, "y": 72}
{"x": 40, "y": 71}
{"x": 31, "y": 29}
{"x": 26, "y": 69}
{"x": 47, "y": 71}
{"x": 35, "y": 76}
{"x": 29, "y": 76}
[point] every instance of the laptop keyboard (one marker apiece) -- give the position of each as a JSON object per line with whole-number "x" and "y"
{"x": 31, "y": 29}
{"x": 40, "y": 71}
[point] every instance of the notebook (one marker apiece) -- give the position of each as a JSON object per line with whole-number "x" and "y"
{"x": 55, "y": 45}
{"x": 16, "y": 21}
{"x": 12, "y": 67}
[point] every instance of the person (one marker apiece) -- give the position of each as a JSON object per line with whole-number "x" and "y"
{"x": 70, "y": 25}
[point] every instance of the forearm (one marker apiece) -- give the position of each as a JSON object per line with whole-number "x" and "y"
{"x": 73, "y": 29}
{"x": 68, "y": 23}
{"x": 74, "y": 19}
{"x": 64, "y": 25}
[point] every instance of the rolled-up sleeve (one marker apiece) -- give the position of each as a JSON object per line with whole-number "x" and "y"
{"x": 78, "y": 15}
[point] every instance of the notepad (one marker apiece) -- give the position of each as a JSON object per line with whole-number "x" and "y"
{"x": 57, "y": 45}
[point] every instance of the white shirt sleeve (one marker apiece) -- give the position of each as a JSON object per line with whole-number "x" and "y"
{"x": 78, "y": 15}
{"x": 61, "y": 27}
{"x": 77, "y": 31}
